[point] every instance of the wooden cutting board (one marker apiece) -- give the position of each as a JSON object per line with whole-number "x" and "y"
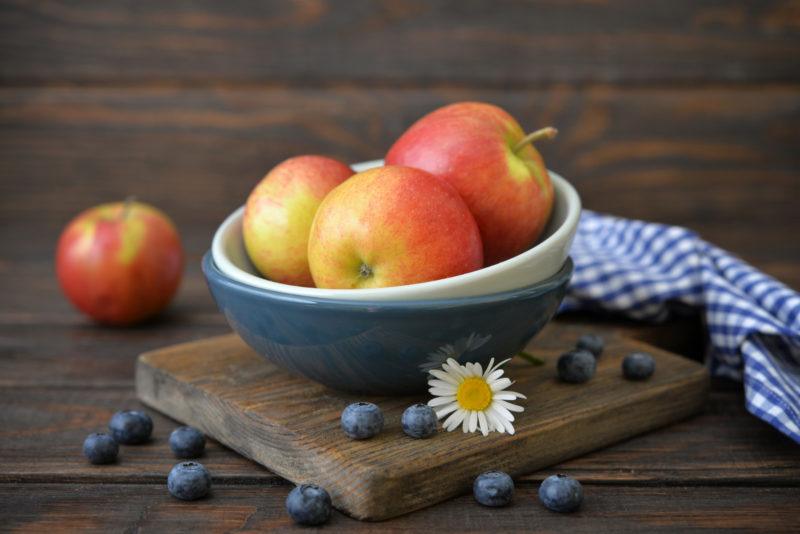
{"x": 291, "y": 425}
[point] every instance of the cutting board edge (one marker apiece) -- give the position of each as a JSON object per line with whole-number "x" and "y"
{"x": 150, "y": 380}
{"x": 149, "y": 383}
{"x": 693, "y": 393}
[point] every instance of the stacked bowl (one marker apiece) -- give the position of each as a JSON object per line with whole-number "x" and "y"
{"x": 384, "y": 340}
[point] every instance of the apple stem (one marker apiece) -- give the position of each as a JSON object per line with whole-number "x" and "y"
{"x": 545, "y": 133}
{"x": 127, "y": 206}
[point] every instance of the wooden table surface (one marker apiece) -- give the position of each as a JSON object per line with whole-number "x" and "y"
{"x": 682, "y": 112}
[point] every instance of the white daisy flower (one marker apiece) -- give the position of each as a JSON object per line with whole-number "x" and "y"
{"x": 473, "y": 398}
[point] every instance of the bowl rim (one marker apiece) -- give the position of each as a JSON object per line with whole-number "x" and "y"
{"x": 560, "y": 186}
{"x": 211, "y": 270}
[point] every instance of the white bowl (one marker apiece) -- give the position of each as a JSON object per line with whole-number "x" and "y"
{"x": 534, "y": 265}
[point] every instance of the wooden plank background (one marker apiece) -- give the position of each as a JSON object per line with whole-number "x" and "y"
{"x": 408, "y": 41}
{"x": 683, "y": 112}
{"x": 680, "y": 112}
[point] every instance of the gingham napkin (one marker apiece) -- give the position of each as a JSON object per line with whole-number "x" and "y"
{"x": 638, "y": 269}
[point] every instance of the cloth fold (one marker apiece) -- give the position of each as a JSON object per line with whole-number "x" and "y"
{"x": 641, "y": 270}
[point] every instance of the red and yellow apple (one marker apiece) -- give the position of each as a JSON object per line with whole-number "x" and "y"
{"x": 278, "y": 215}
{"x": 484, "y": 153}
{"x": 120, "y": 263}
{"x": 392, "y": 226}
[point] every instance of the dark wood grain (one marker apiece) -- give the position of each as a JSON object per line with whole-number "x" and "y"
{"x": 723, "y": 162}
{"x": 388, "y": 42}
{"x": 62, "y": 417}
{"x": 722, "y": 445}
{"x": 132, "y": 508}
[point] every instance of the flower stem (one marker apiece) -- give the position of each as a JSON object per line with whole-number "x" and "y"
{"x": 530, "y": 358}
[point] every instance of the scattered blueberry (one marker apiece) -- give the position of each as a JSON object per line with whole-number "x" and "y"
{"x": 419, "y": 421}
{"x": 493, "y": 488}
{"x": 362, "y": 420}
{"x": 100, "y": 448}
{"x": 638, "y": 366}
{"x": 131, "y": 427}
{"x": 591, "y": 342}
{"x": 576, "y": 366}
{"x": 561, "y": 493}
{"x": 189, "y": 481}
{"x": 187, "y": 442}
{"x": 308, "y": 504}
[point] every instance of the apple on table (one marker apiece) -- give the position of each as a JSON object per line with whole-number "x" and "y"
{"x": 120, "y": 263}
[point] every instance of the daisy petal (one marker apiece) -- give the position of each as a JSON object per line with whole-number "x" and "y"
{"x": 441, "y": 384}
{"x": 453, "y": 368}
{"x": 455, "y": 419}
{"x": 502, "y": 411}
{"x": 488, "y": 368}
{"x": 441, "y": 375}
{"x": 508, "y": 395}
{"x": 483, "y": 423}
{"x": 502, "y": 421}
{"x": 441, "y": 392}
{"x": 489, "y": 422}
{"x": 438, "y": 401}
{"x": 509, "y": 427}
{"x": 498, "y": 366}
{"x": 494, "y": 421}
{"x": 470, "y": 369}
{"x": 509, "y": 406}
{"x": 473, "y": 421}
{"x": 497, "y": 373}
{"x": 441, "y": 412}
{"x": 500, "y": 384}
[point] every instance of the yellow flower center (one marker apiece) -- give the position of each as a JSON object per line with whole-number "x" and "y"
{"x": 474, "y": 394}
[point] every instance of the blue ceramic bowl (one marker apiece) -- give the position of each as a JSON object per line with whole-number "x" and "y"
{"x": 380, "y": 347}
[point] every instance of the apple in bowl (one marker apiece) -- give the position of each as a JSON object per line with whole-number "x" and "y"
{"x": 485, "y": 154}
{"x": 279, "y": 212}
{"x": 392, "y": 226}
{"x": 526, "y": 217}
{"x": 537, "y": 263}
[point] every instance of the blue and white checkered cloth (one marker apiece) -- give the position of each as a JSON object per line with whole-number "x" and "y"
{"x": 638, "y": 269}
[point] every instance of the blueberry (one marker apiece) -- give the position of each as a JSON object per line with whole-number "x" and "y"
{"x": 419, "y": 421}
{"x": 362, "y": 420}
{"x": 561, "y": 493}
{"x": 187, "y": 442}
{"x": 591, "y": 342}
{"x": 493, "y": 488}
{"x": 638, "y": 366}
{"x": 131, "y": 427}
{"x": 308, "y": 504}
{"x": 576, "y": 366}
{"x": 100, "y": 448}
{"x": 189, "y": 481}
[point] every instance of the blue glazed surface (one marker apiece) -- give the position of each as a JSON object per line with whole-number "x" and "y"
{"x": 383, "y": 348}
